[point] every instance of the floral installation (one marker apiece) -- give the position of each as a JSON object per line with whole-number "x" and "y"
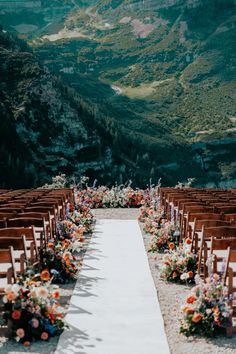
{"x": 32, "y": 311}
{"x": 81, "y": 216}
{"x": 165, "y": 237}
{"x": 206, "y": 311}
{"x": 60, "y": 262}
{"x": 114, "y": 197}
{"x": 179, "y": 265}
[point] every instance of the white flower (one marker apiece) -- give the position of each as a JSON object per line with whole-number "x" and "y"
{"x": 4, "y": 299}
{"x": 8, "y": 289}
{"x": 184, "y": 276}
{"x": 208, "y": 311}
{"x": 15, "y": 288}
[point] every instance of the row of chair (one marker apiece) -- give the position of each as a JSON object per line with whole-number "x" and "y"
{"x": 208, "y": 218}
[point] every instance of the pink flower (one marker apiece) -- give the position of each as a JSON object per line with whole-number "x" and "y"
{"x": 44, "y": 336}
{"x": 20, "y": 333}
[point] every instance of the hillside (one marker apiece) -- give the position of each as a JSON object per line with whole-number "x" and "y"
{"x": 42, "y": 130}
{"x": 158, "y": 76}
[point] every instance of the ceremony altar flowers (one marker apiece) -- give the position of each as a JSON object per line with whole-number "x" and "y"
{"x": 179, "y": 265}
{"x": 206, "y": 311}
{"x": 32, "y": 311}
{"x": 114, "y": 197}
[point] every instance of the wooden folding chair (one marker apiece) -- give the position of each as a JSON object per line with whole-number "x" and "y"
{"x": 228, "y": 280}
{"x": 221, "y": 245}
{"x": 31, "y": 241}
{"x": 39, "y": 224}
{"x": 197, "y": 229}
{"x": 19, "y": 245}
{"x": 7, "y": 260}
{"x": 217, "y": 232}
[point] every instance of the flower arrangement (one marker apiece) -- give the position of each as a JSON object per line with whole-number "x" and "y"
{"x": 114, "y": 197}
{"x": 206, "y": 311}
{"x": 179, "y": 265}
{"x": 166, "y": 237}
{"x": 60, "y": 260}
{"x": 32, "y": 311}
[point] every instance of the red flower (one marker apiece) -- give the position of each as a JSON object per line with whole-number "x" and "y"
{"x": 16, "y": 315}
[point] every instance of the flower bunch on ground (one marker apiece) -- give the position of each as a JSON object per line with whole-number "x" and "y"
{"x": 60, "y": 261}
{"x": 32, "y": 311}
{"x": 166, "y": 237}
{"x": 81, "y": 216}
{"x": 179, "y": 265}
{"x": 206, "y": 311}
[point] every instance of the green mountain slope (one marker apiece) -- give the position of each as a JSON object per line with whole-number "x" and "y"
{"x": 159, "y": 77}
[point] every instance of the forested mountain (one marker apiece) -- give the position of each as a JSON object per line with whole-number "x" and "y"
{"x": 157, "y": 79}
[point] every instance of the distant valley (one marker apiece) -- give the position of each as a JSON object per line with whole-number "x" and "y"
{"x": 157, "y": 80}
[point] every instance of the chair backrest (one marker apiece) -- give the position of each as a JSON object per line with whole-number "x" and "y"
{"x": 229, "y": 217}
{"x": 198, "y": 209}
{"x": 222, "y": 244}
{"x": 6, "y": 256}
{"x": 204, "y": 216}
{"x": 226, "y": 209}
{"x": 11, "y": 209}
{"x": 231, "y": 258}
{"x": 7, "y": 215}
{"x": 26, "y": 222}
{"x": 18, "y": 244}
{"x": 36, "y": 215}
{"x": 219, "y": 231}
{"x": 209, "y": 223}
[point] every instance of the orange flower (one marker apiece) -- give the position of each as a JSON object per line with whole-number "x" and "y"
{"x": 11, "y": 296}
{"x": 16, "y": 315}
{"x": 191, "y": 299}
{"x": 197, "y": 317}
{"x": 44, "y": 336}
{"x": 171, "y": 245}
{"x": 188, "y": 241}
{"x": 66, "y": 243}
{"x": 50, "y": 244}
{"x": 174, "y": 275}
{"x": 190, "y": 274}
{"x": 66, "y": 256}
{"x": 56, "y": 294}
{"x": 188, "y": 310}
{"x": 26, "y": 344}
{"x": 45, "y": 275}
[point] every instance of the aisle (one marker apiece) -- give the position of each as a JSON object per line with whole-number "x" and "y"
{"x": 114, "y": 307}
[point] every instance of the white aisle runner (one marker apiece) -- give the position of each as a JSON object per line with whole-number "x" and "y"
{"x": 114, "y": 307}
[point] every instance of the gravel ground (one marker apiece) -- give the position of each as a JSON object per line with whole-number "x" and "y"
{"x": 170, "y": 297}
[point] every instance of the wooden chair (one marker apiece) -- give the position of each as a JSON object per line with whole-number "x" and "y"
{"x": 197, "y": 229}
{"x": 7, "y": 261}
{"x": 39, "y": 215}
{"x": 221, "y": 245}
{"x": 19, "y": 245}
{"x": 39, "y": 224}
{"x": 191, "y": 209}
{"x": 228, "y": 279}
{"x": 30, "y": 237}
{"x": 217, "y": 232}
{"x": 43, "y": 209}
